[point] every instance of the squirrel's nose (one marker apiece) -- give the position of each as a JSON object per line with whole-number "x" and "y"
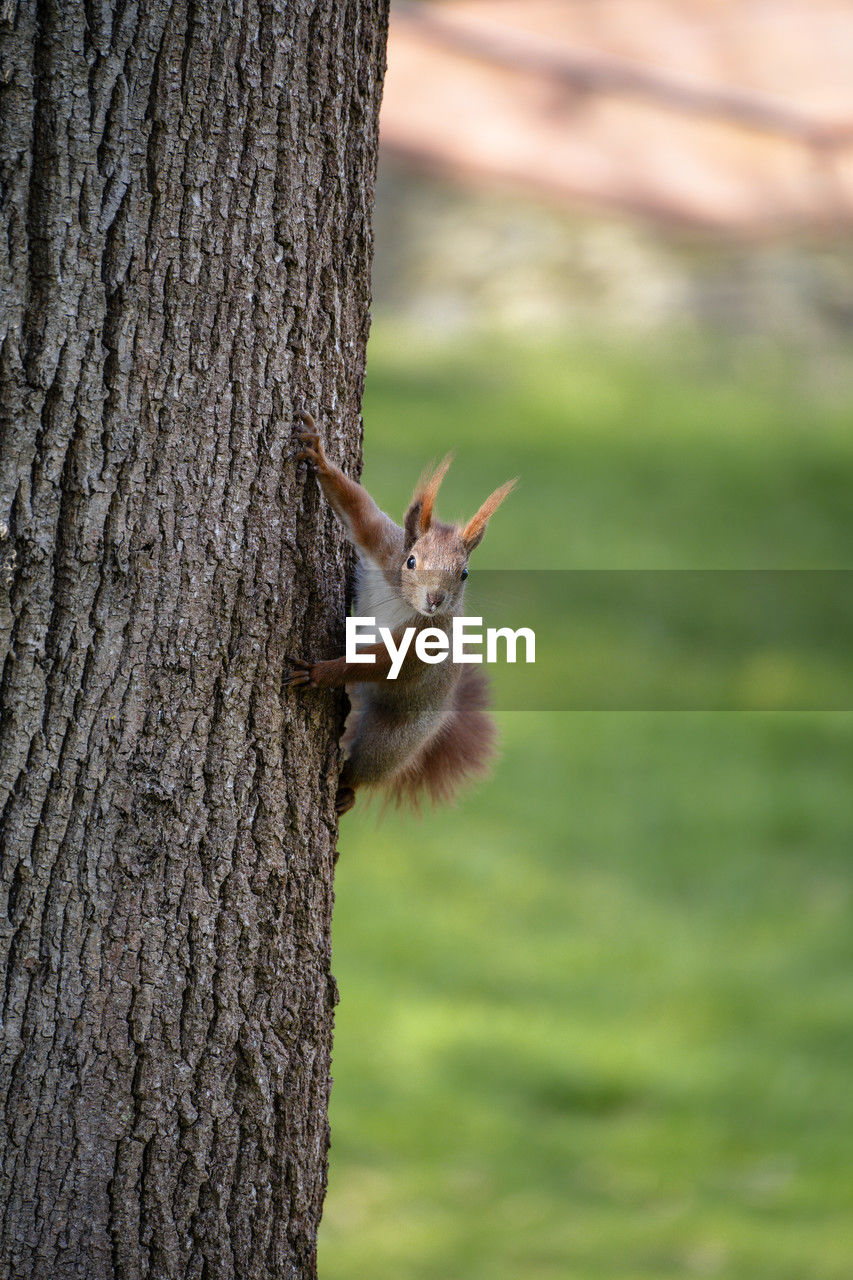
{"x": 435, "y": 598}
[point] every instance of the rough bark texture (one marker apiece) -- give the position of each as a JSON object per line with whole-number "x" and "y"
{"x": 186, "y": 199}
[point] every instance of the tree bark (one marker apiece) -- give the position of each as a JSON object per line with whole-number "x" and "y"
{"x": 187, "y": 192}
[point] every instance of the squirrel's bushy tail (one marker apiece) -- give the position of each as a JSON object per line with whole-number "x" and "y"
{"x": 461, "y": 750}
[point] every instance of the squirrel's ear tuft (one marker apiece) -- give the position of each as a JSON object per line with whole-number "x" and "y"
{"x": 419, "y": 514}
{"x": 472, "y": 534}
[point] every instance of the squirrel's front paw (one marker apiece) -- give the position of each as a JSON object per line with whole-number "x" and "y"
{"x": 299, "y": 675}
{"x": 309, "y": 437}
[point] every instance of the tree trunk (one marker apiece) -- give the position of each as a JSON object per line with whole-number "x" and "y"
{"x": 187, "y": 192}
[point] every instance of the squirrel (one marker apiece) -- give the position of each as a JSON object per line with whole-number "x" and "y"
{"x": 428, "y": 731}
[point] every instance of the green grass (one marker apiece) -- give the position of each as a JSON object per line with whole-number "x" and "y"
{"x": 595, "y": 1023}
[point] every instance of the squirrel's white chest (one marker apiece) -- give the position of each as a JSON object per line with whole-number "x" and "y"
{"x": 376, "y": 598}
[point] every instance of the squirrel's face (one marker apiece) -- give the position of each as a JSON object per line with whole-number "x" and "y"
{"x": 434, "y": 571}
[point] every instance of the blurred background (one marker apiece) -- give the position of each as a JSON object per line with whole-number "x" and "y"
{"x": 596, "y": 1021}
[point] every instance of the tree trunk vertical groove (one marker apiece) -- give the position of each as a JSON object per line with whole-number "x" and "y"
{"x": 186, "y": 194}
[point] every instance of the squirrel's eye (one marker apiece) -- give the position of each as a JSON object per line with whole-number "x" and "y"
{"x": 464, "y": 574}
{"x": 410, "y": 563}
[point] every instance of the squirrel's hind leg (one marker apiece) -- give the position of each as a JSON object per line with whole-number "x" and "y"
{"x": 347, "y": 784}
{"x": 344, "y": 800}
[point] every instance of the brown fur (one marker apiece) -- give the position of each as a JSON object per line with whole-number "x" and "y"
{"x": 427, "y": 491}
{"x": 336, "y": 673}
{"x": 472, "y": 534}
{"x": 427, "y": 733}
{"x": 419, "y": 515}
{"x": 460, "y": 752}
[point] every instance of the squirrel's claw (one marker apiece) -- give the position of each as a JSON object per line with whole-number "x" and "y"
{"x": 308, "y": 433}
{"x": 309, "y": 436}
{"x": 313, "y": 451}
{"x": 299, "y": 675}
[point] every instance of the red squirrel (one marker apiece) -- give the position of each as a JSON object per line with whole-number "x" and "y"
{"x": 427, "y": 731}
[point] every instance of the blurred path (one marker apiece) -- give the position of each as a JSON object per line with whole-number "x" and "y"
{"x": 732, "y": 116}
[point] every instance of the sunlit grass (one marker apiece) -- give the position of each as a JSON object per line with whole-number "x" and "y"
{"x": 595, "y": 1023}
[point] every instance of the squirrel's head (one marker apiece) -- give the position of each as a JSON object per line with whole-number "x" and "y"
{"x": 435, "y": 563}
